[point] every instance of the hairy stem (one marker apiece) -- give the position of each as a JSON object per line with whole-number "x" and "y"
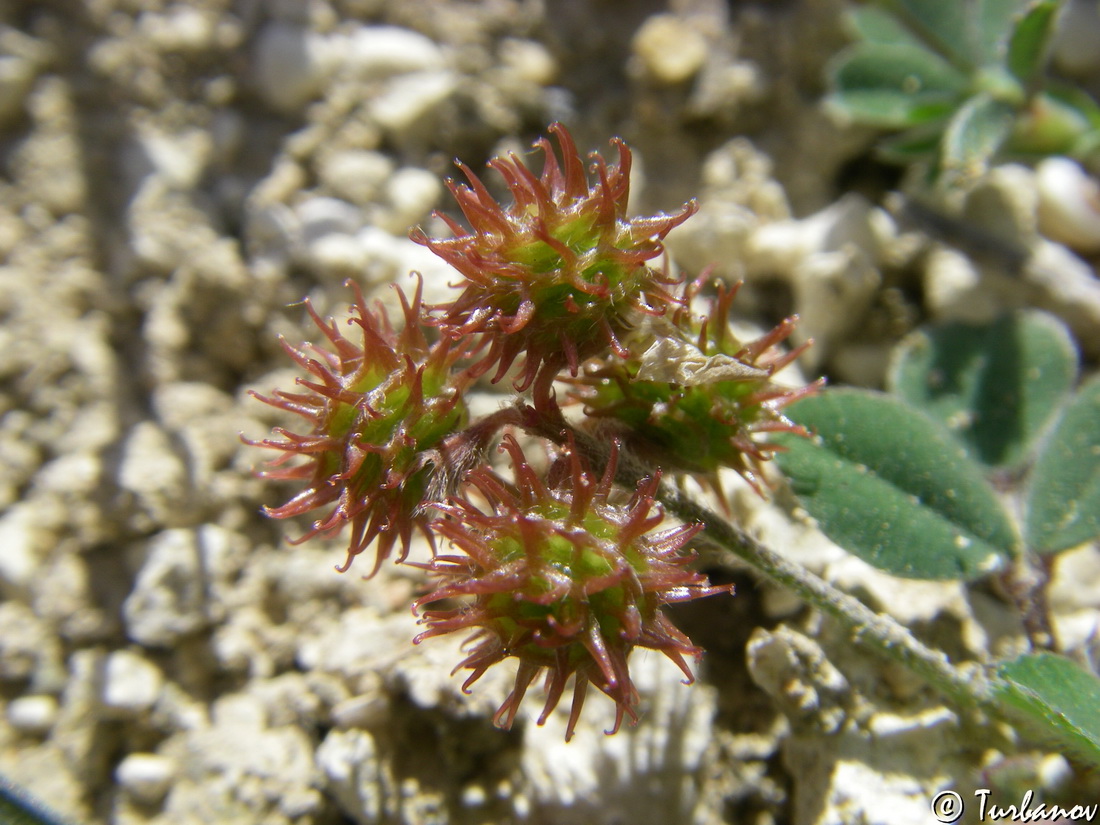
{"x": 870, "y": 629}
{"x": 873, "y": 630}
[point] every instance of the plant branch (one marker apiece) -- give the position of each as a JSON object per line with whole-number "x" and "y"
{"x": 870, "y": 629}
{"x": 873, "y": 630}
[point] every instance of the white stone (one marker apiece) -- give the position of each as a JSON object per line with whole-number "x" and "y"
{"x": 21, "y": 59}
{"x": 832, "y": 292}
{"x": 859, "y": 793}
{"x": 355, "y": 175}
{"x": 1055, "y": 772}
{"x": 642, "y": 773}
{"x": 131, "y": 683}
{"x": 181, "y": 403}
{"x": 152, "y": 471}
{"x": 1004, "y": 203}
{"x": 412, "y": 193}
{"x": 180, "y": 158}
{"x": 409, "y": 98}
{"x": 725, "y": 87}
{"x": 1069, "y": 204}
{"x": 1075, "y": 584}
{"x": 953, "y": 288}
{"x": 273, "y": 233}
{"x": 781, "y": 246}
{"x": 392, "y": 258}
{"x": 168, "y": 599}
{"x": 359, "y": 778}
{"x": 291, "y": 64}
{"x": 670, "y": 49}
{"x": 360, "y": 711}
{"x": 240, "y": 711}
{"x": 1067, "y": 287}
{"x": 321, "y": 216}
{"x": 145, "y": 776}
{"x": 383, "y": 51}
{"x": 528, "y": 60}
{"x": 181, "y": 29}
{"x": 33, "y": 714}
{"x": 23, "y": 542}
{"x": 793, "y": 669}
{"x": 243, "y": 769}
{"x": 893, "y": 724}
{"x": 740, "y": 196}
{"x": 336, "y": 257}
{"x": 74, "y": 473}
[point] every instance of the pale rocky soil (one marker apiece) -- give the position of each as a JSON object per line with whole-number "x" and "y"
{"x": 174, "y": 176}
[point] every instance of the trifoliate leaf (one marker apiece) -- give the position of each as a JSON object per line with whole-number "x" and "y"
{"x": 1063, "y": 505}
{"x": 889, "y": 484}
{"x": 995, "y": 386}
{"x": 1058, "y": 697}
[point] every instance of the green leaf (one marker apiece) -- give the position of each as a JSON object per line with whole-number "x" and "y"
{"x": 887, "y": 109}
{"x": 994, "y": 27}
{"x": 1074, "y": 98}
{"x": 975, "y": 133}
{"x": 1027, "y": 48}
{"x": 889, "y": 484}
{"x": 945, "y": 24}
{"x": 1056, "y": 696}
{"x": 921, "y": 143}
{"x": 995, "y": 386}
{"x": 875, "y": 25}
{"x": 1057, "y": 121}
{"x": 1063, "y": 506}
{"x": 893, "y": 85}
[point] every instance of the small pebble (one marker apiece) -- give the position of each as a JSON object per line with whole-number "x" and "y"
{"x": 1069, "y": 204}
{"x": 384, "y": 51}
{"x": 183, "y": 29}
{"x": 528, "y": 60}
{"x": 670, "y": 50}
{"x": 327, "y": 216}
{"x": 412, "y": 193}
{"x": 291, "y": 64}
{"x": 25, "y": 544}
{"x": 360, "y": 712}
{"x": 32, "y": 714}
{"x": 337, "y": 257}
{"x": 145, "y": 776}
{"x": 411, "y": 97}
{"x": 131, "y": 683}
{"x": 355, "y": 175}
{"x": 21, "y": 59}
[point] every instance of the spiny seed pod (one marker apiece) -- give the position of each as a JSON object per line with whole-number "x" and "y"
{"x": 378, "y": 409}
{"x": 563, "y": 579}
{"x": 695, "y": 399}
{"x": 558, "y": 273}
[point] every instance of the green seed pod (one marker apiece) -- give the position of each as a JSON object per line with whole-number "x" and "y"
{"x": 556, "y": 275}
{"x": 693, "y": 398}
{"x": 563, "y": 579}
{"x": 378, "y": 410}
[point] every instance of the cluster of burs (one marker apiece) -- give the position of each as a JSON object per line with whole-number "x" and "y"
{"x": 564, "y": 563}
